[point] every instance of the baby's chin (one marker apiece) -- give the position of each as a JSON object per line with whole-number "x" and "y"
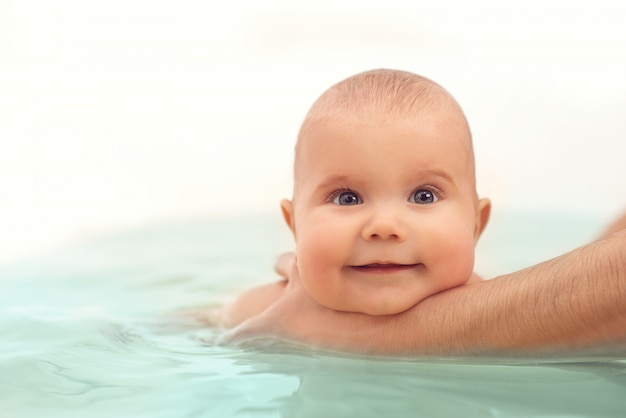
{"x": 386, "y": 310}
{"x": 374, "y": 309}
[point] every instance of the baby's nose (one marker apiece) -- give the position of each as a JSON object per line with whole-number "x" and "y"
{"x": 385, "y": 225}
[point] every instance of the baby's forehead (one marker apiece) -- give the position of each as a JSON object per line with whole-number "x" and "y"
{"x": 437, "y": 117}
{"x": 386, "y": 97}
{"x": 430, "y": 137}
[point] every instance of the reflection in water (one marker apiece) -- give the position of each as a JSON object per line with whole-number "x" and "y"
{"x": 349, "y": 386}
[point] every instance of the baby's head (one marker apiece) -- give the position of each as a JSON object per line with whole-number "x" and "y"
{"x": 384, "y": 211}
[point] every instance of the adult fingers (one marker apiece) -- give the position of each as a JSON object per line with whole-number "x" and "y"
{"x": 284, "y": 264}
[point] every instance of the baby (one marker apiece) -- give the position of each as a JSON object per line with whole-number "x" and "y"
{"x": 384, "y": 210}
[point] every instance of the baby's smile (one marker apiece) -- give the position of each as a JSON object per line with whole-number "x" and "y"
{"x": 384, "y": 268}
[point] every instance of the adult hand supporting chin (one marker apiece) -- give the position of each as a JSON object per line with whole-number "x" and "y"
{"x": 574, "y": 304}
{"x": 297, "y": 318}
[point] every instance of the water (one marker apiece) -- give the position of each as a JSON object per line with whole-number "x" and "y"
{"x": 87, "y": 332}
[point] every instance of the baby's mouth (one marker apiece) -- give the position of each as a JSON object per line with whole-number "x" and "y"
{"x": 384, "y": 267}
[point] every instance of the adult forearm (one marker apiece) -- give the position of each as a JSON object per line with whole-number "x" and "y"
{"x": 576, "y": 301}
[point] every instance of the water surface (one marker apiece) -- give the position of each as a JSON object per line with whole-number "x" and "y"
{"x": 86, "y": 332}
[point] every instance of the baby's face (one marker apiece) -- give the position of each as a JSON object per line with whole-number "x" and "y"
{"x": 385, "y": 211}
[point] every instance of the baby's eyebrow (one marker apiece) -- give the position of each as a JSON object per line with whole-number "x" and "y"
{"x": 427, "y": 175}
{"x": 442, "y": 175}
{"x": 334, "y": 181}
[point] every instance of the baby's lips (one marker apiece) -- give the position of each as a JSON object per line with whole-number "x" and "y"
{"x": 381, "y": 267}
{"x": 385, "y": 264}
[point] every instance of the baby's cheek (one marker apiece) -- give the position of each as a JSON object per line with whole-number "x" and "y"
{"x": 322, "y": 243}
{"x": 317, "y": 255}
{"x": 454, "y": 259}
{"x": 460, "y": 270}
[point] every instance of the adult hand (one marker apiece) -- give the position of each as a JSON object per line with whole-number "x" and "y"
{"x": 296, "y": 317}
{"x": 287, "y": 316}
{"x": 285, "y": 265}
{"x": 573, "y": 302}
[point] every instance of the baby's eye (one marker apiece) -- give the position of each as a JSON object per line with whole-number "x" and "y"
{"x": 424, "y": 197}
{"x": 347, "y": 198}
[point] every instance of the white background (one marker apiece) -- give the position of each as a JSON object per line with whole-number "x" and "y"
{"x": 121, "y": 113}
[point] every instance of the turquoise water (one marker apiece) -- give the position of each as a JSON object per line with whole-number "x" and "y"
{"x": 86, "y": 332}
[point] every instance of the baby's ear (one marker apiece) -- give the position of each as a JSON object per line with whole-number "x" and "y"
{"x": 286, "y": 206}
{"x": 482, "y": 217}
